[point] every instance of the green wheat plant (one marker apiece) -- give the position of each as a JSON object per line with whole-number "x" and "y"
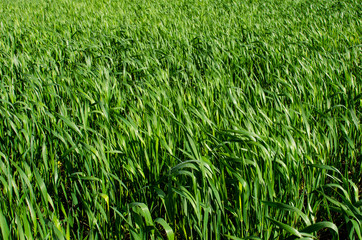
{"x": 190, "y": 119}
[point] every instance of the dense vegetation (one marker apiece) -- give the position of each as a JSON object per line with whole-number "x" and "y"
{"x": 190, "y": 119}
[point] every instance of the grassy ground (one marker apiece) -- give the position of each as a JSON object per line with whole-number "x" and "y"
{"x": 191, "y": 119}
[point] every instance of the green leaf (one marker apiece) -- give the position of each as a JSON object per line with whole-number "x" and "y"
{"x": 5, "y": 231}
{"x": 289, "y": 208}
{"x": 286, "y": 227}
{"x": 320, "y": 225}
{"x": 143, "y": 210}
{"x": 169, "y": 232}
{"x": 325, "y": 167}
{"x": 71, "y": 124}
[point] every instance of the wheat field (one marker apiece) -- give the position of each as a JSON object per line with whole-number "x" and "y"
{"x": 190, "y": 119}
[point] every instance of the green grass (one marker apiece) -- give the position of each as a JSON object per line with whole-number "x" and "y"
{"x": 191, "y": 119}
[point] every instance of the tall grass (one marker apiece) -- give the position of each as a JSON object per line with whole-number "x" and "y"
{"x": 191, "y": 119}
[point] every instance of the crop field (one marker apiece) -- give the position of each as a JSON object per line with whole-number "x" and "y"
{"x": 189, "y": 119}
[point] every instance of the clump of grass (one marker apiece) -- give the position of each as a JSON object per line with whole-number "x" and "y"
{"x": 180, "y": 119}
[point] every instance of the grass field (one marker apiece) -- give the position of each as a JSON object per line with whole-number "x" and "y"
{"x": 190, "y": 119}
